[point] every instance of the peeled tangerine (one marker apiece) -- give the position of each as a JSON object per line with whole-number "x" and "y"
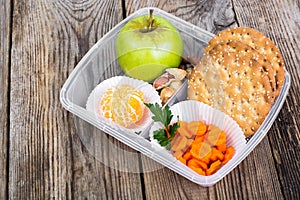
{"x": 124, "y": 105}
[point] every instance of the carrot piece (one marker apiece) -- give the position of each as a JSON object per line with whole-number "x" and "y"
{"x": 197, "y": 163}
{"x": 206, "y": 158}
{"x": 189, "y": 143}
{"x": 187, "y": 156}
{"x": 221, "y": 139}
{"x": 204, "y": 150}
{"x": 215, "y": 136}
{"x": 228, "y": 155}
{"x": 216, "y": 155}
{"x": 181, "y": 159}
{"x": 177, "y": 154}
{"x": 178, "y": 143}
{"x": 213, "y": 167}
{"x": 199, "y": 138}
{"x": 197, "y": 127}
{"x": 183, "y": 130}
{"x": 198, "y": 170}
{"x": 221, "y": 147}
{"x": 201, "y": 151}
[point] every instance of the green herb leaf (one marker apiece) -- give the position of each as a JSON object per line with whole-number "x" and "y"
{"x": 164, "y": 115}
{"x": 168, "y": 146}
{"x": 173, "y": 128}
{"x": 159, "y": 134}
{"x": 160, "y": 115}
{"x": 166, "y": 143}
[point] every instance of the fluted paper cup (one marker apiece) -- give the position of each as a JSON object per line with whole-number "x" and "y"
{"x": 191, "y": 110}
{"x": 150, "y": 96}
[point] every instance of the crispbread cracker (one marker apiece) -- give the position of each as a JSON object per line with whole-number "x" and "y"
{"x": 242, "y": 48}
{"x": 234, "y": 84}
{"x": 259, "y": 42}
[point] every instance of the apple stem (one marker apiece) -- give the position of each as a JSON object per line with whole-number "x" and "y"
{"x": 150, "y": 20}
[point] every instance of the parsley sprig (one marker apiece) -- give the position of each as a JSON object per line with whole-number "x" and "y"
{"x": 164, "y": 115}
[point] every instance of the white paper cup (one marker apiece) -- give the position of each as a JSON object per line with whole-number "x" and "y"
{"x": 150, "y": 96}
{"x": 191, "y": 110}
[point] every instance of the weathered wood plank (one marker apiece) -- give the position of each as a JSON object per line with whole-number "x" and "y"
{"x": 114, "y": 172}
{"x": 47, "y": 158}
{"x": 280, "y": 20}
{"x": 212, "y": 16}
{"x": 255, "y": 172}
{"x": 5, "y": 22}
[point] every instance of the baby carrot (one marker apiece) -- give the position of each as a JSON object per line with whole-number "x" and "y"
{"x": 200, "y": 150}
{"x": 197, "y": 127}
{"x": 206, "y": 158}
{"x": 199, "y": 138}
{"x": 221, "y": 139}
{"x": 183, "y": 130}
{"x": 198, "y": 163}
{"x": 198, "y": 170}
{"x": 177, "y": 154}
{"x": 178, "y": 143}
{"x": 216, "y": 155}
{"x": 205, "y": 149}
{"x": 181, "y": 159}
{"x": 213, "y": 167}
{"x": 215, "y": 136}
{"x": 200, "y": 147}
{"x": 228, "y": 155}
{"x": 187, "y": 156}
{"x": 221, "y": 147}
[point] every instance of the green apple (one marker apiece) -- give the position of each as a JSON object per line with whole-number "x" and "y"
{"x": 147, "y": 45}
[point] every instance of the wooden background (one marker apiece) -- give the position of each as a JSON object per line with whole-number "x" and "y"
{"x": 41, "y": 155}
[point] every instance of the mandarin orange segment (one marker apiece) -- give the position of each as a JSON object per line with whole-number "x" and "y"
{"x": 105, "y": 104}
{"x": 123, "y": 105}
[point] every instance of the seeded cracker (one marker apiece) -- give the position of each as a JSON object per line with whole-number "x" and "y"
{"x": 234, "y": 84}
{"x": 242, "y": 48}
{"x": 257, "y": 41}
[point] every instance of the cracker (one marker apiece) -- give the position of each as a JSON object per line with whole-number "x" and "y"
{"x": 259, "y": 42}
{"x": 242, "y": 48}
{"x": 234, "y": 84}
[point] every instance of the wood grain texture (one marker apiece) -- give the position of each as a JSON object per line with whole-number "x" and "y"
{"x": 5, "y": 23}
{"x": 212, "y": 16}
{"x": 106, "y": 168}
{"x": 280, "y": 20}
{"x": 47, "y": 159}
{"x": 50, "y": 156}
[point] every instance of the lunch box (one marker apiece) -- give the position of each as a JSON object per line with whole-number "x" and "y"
{"x": 100, "y": 63}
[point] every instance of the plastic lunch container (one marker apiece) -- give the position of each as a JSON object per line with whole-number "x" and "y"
{"x": 100, "y": 63}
